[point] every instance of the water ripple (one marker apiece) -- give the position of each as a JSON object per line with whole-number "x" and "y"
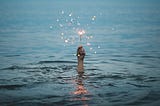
{"x": 42, "y": 62}
{"x": 12, "y": 87}
{"x": 137, "y": 85}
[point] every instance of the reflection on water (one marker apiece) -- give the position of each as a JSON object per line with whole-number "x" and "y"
{"x": 80, "y": 93}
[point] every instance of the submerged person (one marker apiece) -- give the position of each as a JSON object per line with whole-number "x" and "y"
{"x": 80, "y": 57}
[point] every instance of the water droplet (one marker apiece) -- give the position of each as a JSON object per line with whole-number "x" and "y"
{"x": 90, "y": 48}
{"x": 98, "y": 47}
{"x": 95, "y": 52}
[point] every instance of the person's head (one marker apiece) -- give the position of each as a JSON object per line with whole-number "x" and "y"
{"x": 81, "y": 52}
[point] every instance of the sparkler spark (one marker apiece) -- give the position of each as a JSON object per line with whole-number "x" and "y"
{"x": 68, "y": 22}
{"x": 93, "y": 18}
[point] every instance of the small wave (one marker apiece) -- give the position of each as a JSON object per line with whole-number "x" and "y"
{"x": 14, "y": 67}
{"x": 111, "y": 84}
{"x": 150, "y": 99}
{"x": 120, "y": 60}
{"x": 151, "y": 79}
{"x": 115, "y": 76}
{"x": 140, "y": 63}
{"x": 92, "y": 74}
{"x": 19, "y": 67}
{"x": 117, "y": 55}
{"x": 63, "y": 77}
{"x": 137, "y": 85}
{"x": 105, "y": 62}
{"x": 12, "y": 55}
{"x": 93, "y": 69}
{"x": 112, "y": 94}
{"x": 51, "y": 56}
{"x": 112, "y": 76}
{"x": 137, "y": 77}
{"x": 147, "y": 56}
{"x": 66, "y": 67}
{"x": 122, "y": 76}
{"x": 42, "y": 62}
{"x": 11, "y": 87}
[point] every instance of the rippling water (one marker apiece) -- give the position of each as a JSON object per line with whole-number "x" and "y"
{"x": 38, "y": 68}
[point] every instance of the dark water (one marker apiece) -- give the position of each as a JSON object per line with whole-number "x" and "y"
{"x": 38, "y": 67}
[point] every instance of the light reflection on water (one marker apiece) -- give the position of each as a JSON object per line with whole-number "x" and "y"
{"x": 80, "y": 90}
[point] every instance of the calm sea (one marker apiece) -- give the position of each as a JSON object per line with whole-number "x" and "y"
{"x": 38, "y": 42}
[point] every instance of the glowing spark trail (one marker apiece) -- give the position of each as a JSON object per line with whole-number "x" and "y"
{"x": 80, "y": 33}
{"x": 71, "y": 25}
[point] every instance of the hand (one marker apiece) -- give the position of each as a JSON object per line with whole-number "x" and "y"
{"x": 81, "y": 52}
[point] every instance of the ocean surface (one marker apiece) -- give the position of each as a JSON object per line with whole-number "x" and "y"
{"x": 38, "y": 42}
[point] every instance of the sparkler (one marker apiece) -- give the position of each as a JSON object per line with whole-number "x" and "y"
{"x": 80, "y": 33}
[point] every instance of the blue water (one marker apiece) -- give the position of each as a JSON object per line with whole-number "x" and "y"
{"x": 38, "y": 42}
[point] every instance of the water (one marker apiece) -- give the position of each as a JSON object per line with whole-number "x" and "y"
{"x": 38, "y": 66}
